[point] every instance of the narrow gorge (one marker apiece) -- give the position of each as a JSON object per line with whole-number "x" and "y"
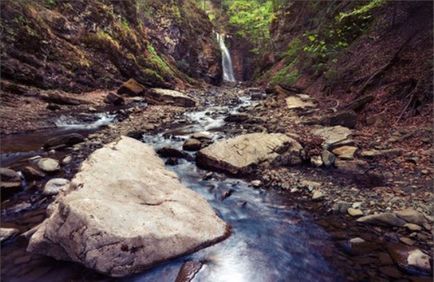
{"x": 216, "y": 140}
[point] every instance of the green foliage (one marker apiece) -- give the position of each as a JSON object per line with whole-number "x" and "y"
{"x": 287, "y": 75}
{"x": 294, "y": 48}
{"x": 252, "y": 19}
{"x": 361, "y": 11}
{"x": 157, "y": 62}
{"x": 50, "y": 3}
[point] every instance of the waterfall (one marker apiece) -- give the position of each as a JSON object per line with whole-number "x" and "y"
{"x": 228, "y": 70}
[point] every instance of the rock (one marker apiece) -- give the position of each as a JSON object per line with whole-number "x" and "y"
{"x": 123, "y": 221}
{"x": 61, "y": 98}
{"x": 413, "y": 227}
{"x": 410, "y": 259}
{"x": 114, "y": 99}
{"x": 316, "y": 161}
{"x": 188, "y": 270}
{"x": 131, "y": 88}
{"x": 9, "y": 188}
{"x": 407, "y": 241}
{"x": 359, "y": 103}
{"x": 202, "y": 136}
{"x": 136, "y": 134}
{"x": 238, "y": 117}
{"x": 300, "y": 101}
{"x": 381, "y": 153}
{"x": 310, "y": 185}
{"x": 390, "y": 271}
{"x": 256, "y": 183}
{"x": 328, "y": 158}
{"x": 341, "y": 207}
{"x": 53, "y": 107}
{"x": 352, "y": 166}
{"x": 31, "y": 173}
{"x": 55, "y": 185}
{"x": 241, "y": 153}
{"x": 354, "y": 212}
{"x": 7, "y": 233}
{"x": 382, "y": 219}
{"x": 48, "y": 165}
{"x": 66, "y": 160}
{"x": 357, "y": 240}
{"x": 167, "y": 152}
{"x": 345, "y": 152}
{"x": 169, "y": 97}
{"x": 317, "y": 195}
{"x": 412, "y": 216}
{"x": 64, "y": 140}
{"x": 332, "y": 134}
{"x": 344, "y": 118}
{"x": 7, "y": 174}
{"x": 192, "y": 145}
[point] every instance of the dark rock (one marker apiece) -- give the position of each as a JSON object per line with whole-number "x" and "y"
{"x": 192, "y": 145}
{"x": 53, "y": 107}
{"x": 226, "y": 194}
{"x": 171, "y": 161}
{"x": 385, "y": 219}
{"x": 136, "y": 134}
{"x": 114, "y": 99}
{"x": 237, "y": 117}
{"x": 31, "y": 173}
{"x": 344, "y": 118}
{"x": 167, "y": 152}
{"x": 188, "y": 270}
{"x": 131, "y": 88}
{"x": 7, "y": 189}
{"x": 64, "y": 140}
{"x": 391, "y": 271}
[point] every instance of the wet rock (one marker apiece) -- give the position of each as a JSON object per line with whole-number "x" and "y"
{"x": 345, "y": 152}
{"x": 131, "y": 88}
{"x": 7, "y": 174}
{"x": 410, "y": 259}
{"x": 172, "y": 161}
{"x": 188, "y": 270}
{"x": 168, "y": 152}
{"x": 226, "y": 194}
{"x": 332, "y": 134}
{"x": 241, "y": 153}
{"x": 238, "y": 117}
{"x": 114, "y": 99}
{"x": 8, "y": 233}
{"x": 55, "y": 185}
{"x": 381, "y": 153}
{"x": 256, "y": 183}
{"x": 169, "y": 97}
{"x": 64, "y": 140}
{"x": 354, "y": 212}
{"x": 387, "y": 219}
{"x": 328, "y": 158}
{"x": 136, "y": 134}
{"x": 412, "y": 216}
{"x": 300, "y": 101}
{"x": 9, "y": 188}
{"x": 66, "y": 160}
{"x": 344, "y": 118}
{"x": 202, "y": 136}
{"x": 48, "y": 165}
{"x": 31, "y": 173}
{"x": 104, "y": 224}
{"x": 192, "y": 145}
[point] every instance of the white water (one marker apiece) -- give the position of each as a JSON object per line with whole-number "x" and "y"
{"x": 228, "y": 70}
{"x": 72, "y": 123}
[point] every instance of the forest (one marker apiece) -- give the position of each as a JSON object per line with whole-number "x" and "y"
{"x": 216, "y": 140}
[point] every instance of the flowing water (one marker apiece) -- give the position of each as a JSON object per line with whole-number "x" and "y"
{"x": 271, "y": 239}
{"x": 228, "y": 70}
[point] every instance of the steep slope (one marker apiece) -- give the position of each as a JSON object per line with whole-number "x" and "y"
{"x": 84, "y": 45}
{"x": 347, "y": 49}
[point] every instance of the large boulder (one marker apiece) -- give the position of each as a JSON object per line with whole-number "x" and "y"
{"x": 332, "y": 134}
{"x": 125, "y": 213}
{"x": 300, "y": 101}
{"x": 131, "y": 88}
{"x": 169, "y": 97}
{"x": 237, "y": 155}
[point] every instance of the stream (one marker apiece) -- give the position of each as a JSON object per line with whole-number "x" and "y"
{"x": 271, "y": 239}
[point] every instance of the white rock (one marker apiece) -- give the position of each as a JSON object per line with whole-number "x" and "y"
{"x": 7, "y": 233}
{"x": 55, "y": 185}
{"x": 126, "y": 214}
{"x": 48, "y": 165}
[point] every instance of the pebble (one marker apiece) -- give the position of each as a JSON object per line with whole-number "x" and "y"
{"x": 55, "y": 185}
{"x": 407, "y": 241}
{"x": 48, "y": 165}
{"x": 354, "y": 212}
{"x": 317, "y": 195}
{"x": 316, "y": 161}
{"x": 256, "y": 183}
{"x": 413, "y": 227}
{"x": 357, "y": 240}
{"x": 66, "y": 160}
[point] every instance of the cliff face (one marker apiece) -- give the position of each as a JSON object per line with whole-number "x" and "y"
{"x": 347, "y": 49}
{"x": 85, "y": 45}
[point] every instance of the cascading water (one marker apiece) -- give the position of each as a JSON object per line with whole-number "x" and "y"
{"x": 228, "y": 70}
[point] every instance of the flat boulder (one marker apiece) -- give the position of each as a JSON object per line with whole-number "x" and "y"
{"x": 131, "y": 88}
{"x": 169, "y": 97}
{"x": 410, "y": 259}
{"x": 125, "y": 212}
{"x": 385, "y": 219}
{"x": 332, "y": 134}
{"x": 300, "y": 101}
{"x": 239, "y": 154}
{"x": 68, "y": 139}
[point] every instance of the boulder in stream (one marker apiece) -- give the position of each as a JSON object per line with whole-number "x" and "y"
{"x": 239, "y": 154}
{"x": 121, "y": 221}
{"x": 169, "y": 97}
{"x": 68, "y": 139}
